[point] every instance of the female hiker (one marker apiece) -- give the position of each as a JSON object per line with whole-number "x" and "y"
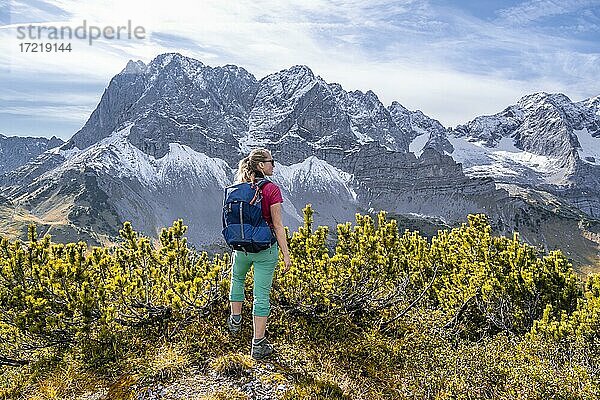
{"x": 259, "y": 164}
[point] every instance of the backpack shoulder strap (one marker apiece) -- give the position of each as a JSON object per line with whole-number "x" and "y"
{"x": 262, "y": 182}
{"x": 259, "y": 186}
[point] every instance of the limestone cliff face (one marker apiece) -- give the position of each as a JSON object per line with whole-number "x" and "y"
{"x": 16, "y": 151}
{"x": 552, "y": 142}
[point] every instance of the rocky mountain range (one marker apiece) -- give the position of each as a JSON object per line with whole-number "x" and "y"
{"x": 16, "y": 151}
{"x": 166, "y": 138}
{"x": 545, "y": 141}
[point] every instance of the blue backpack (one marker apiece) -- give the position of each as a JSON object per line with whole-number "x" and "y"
{"x": 244, "y": 227}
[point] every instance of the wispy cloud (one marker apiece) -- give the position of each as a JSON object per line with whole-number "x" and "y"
{"x": 418, "y": 52}
{"x": 534, "y": 10}
{"x": 51, "y": 112}
{"x": 33, "y": 11}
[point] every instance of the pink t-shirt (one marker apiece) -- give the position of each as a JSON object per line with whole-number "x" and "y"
{"x": 271, "y": 194}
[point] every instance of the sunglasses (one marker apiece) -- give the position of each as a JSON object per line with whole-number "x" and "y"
{"x": 271, "y": 161}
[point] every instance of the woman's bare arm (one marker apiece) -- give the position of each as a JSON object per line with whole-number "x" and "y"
{"x": 280, "y": 233}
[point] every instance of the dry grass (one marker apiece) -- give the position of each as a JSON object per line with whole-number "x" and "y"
{"x": 122, "y": 389}
{"x": 168, "y": 362}
{"x": 274, "y": 378}
{"x": 226, "y": 394}
{"x": 66, "y": 382}
{"x": 55, "y": 209}
{"x": 233, "y": 365}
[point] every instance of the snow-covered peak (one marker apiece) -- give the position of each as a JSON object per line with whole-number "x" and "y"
{"x": 531, "y": 100}
{"x": 398, "y": 107}
{"x": 372, "y": 96}
{"x": 163, "y": 64}
{"x": 506, "y": 163}
{"x": 592, "y": 103}
{"x": 16, "y": 151}
{"x": 488, "y": 129}
{"x": 281, "y": 99}
{"x": 363, "y": 102}
{"x": 164, "y": 59}
{"x": 336, "y": 87}
{"x": 541, "y": 139}
{"x": 537, "y": 99}
{"x": 422, "y": 131}
{"x": 290, "y": 83}
{"x": 315, "y": 175}
{"x": 592, "y": 100}
{"x": 238, "y": 72}
{"x": 116, "y": 156}
{"x": 299, "y": 70}
{"x": 134, "y": 67}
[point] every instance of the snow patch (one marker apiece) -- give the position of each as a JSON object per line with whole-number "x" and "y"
{"x": 426, "y": 217}
{"x": 362, "y": 138}
{"x": 182, "y": 157}
{"x": 417, "y": 144}
{"x": 589, "y": 150}
{"x": 503, "y": 160}
{"x": 115, "y": 155}
{"x": 67, "y": 154}
{"x": 313, "y": 174}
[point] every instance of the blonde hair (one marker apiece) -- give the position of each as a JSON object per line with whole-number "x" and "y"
{"x": 248, "y": 167}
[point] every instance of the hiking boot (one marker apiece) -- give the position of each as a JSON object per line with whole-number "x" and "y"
{"x": 261, "y": 348}
{"x": 234, "y": 323}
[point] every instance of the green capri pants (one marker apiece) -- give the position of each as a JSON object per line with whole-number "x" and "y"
{"x": 264, "y": 266}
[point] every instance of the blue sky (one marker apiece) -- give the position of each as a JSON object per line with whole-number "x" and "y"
{"x": 452, "y": 60}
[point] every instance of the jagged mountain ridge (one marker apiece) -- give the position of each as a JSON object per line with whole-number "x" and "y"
{"x": 176, "y": 118}
{"x": 230, "y": 106}
{"x": 544, "y": 141}
{"x": 16, "y": 151}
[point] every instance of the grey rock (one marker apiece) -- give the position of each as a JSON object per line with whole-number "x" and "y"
{"x": 415, "y": 124}
{"x": 16, "y": 151}
{"x": 547, "y": 125}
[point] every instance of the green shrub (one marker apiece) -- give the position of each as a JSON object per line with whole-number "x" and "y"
{"x": 494, "y": 284}
{"x": 375, "y": 314}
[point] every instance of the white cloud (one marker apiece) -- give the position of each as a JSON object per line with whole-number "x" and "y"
{"x": 67, "y": 98}
{"x": 533, "y": 10}
{"x": 450, "y": 65}
{"x": 60, "y": 112}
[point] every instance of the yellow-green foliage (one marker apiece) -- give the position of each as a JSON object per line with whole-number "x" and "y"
{"x": 491, "y": 284}
{"x": 377, "y": 313}
{"x": 56, "y": 295}
{"x": 368, "y": 276}
{"x": 484, "y": 284}
{"x": 156, "y": 286}
{"x": 579, "y": 327}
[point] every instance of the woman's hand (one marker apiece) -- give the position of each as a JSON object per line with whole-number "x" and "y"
{"x": 287, "y": 263}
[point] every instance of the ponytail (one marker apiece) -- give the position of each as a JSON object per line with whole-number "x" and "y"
{"x": 248, "y": 167}
{"x": 243, "y": 172}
